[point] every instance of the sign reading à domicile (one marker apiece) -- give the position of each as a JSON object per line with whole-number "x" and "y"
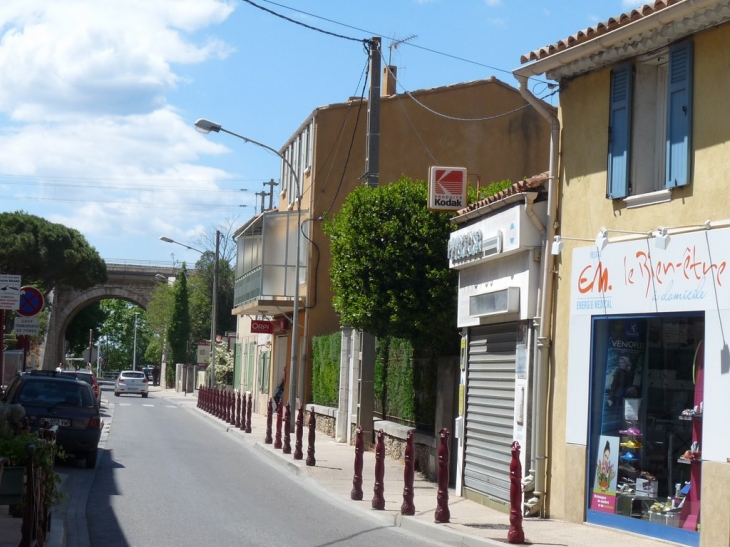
{"x": 447, "y": 188}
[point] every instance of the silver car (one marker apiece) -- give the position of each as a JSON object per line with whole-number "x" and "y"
{"x": 131, "y": 381}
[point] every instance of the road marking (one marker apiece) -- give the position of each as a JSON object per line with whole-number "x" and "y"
{"x": 171, "y": 406}
{"x": 148, "y": 405}
{"x": 125, "y": 404}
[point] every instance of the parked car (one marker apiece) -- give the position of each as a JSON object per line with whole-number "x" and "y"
{"x": 131, "y": 381}
{"x": 87, "y": 377}
{"x": 69, "y": 403}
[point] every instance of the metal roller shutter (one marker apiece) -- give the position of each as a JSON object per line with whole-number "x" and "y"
{"x": 490, "y": 409}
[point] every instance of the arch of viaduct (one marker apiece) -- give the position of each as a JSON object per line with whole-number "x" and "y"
{"x": 130, "y": 282}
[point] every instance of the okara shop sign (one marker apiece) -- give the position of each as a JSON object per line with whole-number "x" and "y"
{"x": 447, "y": 188}
{"x": 632, "y": 277}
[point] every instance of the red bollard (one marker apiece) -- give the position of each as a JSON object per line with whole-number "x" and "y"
{"x": 249, "y": 407}
{"x": 238, "y": 410}
{"x": 356, "y": 492}
{"x": 407, "y": 508}
{"x": 378, "y": 499}
{"x": 286, "y": 449}
{"x": 230, "y": 409}
{"x": 218, "y": 403}
{"x": 515, "y": 534}
{"x": 443, "y": 515}
{"x": 242, "y": 413}
{"x": 298, "y": 455}
{"x": 201, "y": 397}
{"x": 215, "y": 402}
{"x": 310, "y": 450}
{"x": 279, "y": 416}
{"x": 199, "y": 394}
{"x": 269, "y": 413}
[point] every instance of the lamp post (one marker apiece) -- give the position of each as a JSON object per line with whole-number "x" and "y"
{"x": 206, "y": 126}
{"x": 214, "y": 309}
{"x": 134, "y": 351}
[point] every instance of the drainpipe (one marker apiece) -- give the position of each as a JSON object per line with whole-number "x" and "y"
{"x": 530, "y": 212}
{"x": 544, "y": 319}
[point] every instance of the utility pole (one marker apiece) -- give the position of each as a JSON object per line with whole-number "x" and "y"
{"x": 372, "y": 169}
{"x": 271, "y": 185}
{"x": 263, "y": 195}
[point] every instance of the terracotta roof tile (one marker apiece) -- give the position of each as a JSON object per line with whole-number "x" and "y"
{"x": 597, "y": 30}
{"x": 518, "y": 187}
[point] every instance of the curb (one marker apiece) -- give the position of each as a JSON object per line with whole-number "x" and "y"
{"x": 57, "y": 535}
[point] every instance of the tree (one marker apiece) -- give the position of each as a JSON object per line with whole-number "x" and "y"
{"x": 46, "y": 254}
{"x": 178, "y": 331}
{"x": 201, "y": 291}
{"x": 117, "y": 334}
{"x": 77, "y": 332}
{"x": 390, "y": 273}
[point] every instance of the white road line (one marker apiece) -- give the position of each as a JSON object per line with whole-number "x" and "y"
{"x": 125, "y": 404}
{"x": 148, "y": 405}
{"x": 171, "y": 406}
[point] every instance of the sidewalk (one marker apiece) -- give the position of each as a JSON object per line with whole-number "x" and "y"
{"x": 472, "y": 524}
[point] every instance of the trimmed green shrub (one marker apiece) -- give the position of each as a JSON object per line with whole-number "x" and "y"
{"x": 326, "y": 369}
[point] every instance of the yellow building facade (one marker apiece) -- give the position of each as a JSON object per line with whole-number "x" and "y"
{"x": 640, "y": 369}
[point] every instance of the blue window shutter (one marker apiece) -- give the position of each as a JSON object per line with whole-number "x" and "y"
{"x": 619, "y": 132}
{"x": 679, "y": 115}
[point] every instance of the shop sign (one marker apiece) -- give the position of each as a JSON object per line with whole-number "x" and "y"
{"x": 447, "y": 188}
{"x": 465, "y": 245}
{"x": 267, "y": 327}
{"x": 636, "y": 276}
{"x": 9, "y": 291}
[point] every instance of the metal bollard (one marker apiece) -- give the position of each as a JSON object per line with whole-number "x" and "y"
{"x": 443, "y": 515}
{"x": 310, "y": 449}
{"x": 214, "y": 410}
{"x": 298, "y": 455}
{"x": 218, "y": 403}
{"x": 230, "y": 409}
{"x": 199, "y": 395}
{"x": 269, "y": 413}
{"x": 515, "y": 534}
{"x": 379, "y": 488}
{"x": 286, "y": 449}
{"x": 279, "y": 416}
{"x": 356, "y": 492}
{"x": 238, "y": 410}
{"x": 242, "y": 427}
{"x": 249, "y": 407}
{"x": 407, "y": 508}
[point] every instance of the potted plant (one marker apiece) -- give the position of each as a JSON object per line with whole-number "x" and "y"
{"x": 14, "y": 446}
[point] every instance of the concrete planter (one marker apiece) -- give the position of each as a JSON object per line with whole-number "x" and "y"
{"x": 11, "y": 485}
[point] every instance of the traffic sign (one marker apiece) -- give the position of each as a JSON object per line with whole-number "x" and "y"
{"x": 31, "y": 301}
{"x": 26, "y": 326}
{"x": 9, "y": 291}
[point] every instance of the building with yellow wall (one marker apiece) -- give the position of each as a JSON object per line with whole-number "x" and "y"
{"x": 640, "y": 366}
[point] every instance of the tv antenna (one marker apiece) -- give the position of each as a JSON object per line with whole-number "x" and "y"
{"x": 395, "y": 43}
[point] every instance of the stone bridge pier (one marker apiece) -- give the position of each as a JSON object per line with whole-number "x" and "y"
{"x": 130, "y": 282}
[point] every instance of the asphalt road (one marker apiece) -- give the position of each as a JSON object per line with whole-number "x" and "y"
{"x": 168, "y": 477}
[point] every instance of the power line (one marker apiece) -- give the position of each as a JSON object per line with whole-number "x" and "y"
{"x": 121, "y": 188}
{"x": 127, "y": 203}
{"x": 303, "y": 24}
{"x": 371, "y": 33}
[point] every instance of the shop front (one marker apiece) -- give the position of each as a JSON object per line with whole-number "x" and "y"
{"x": 497, "y": 255}
{"x": 648, "y": 378}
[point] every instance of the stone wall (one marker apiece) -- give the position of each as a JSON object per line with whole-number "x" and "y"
{"x": 426, "y": 461}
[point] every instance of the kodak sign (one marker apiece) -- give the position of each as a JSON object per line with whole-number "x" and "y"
{"x": 447, "y": 188}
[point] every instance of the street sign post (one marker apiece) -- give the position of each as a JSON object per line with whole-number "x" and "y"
{"x": 26, "y": 326}
{"x": 9, "y": 291}
{"x": 30, "y": 302}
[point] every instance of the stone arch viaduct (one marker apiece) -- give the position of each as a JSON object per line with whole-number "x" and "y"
{"x": 131, "y": 282}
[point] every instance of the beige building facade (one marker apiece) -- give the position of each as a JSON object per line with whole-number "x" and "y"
{"x": 640, "y": 368}
{"x": 457, "y": 125}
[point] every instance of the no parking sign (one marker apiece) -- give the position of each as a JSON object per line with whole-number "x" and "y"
{"x": 31, "y": 302}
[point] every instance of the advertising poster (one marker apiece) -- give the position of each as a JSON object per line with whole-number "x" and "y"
{"x": 624, "y": 368}
{"x": 603, "y": 497}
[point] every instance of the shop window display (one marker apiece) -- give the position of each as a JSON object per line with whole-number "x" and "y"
{"x": 646, "y": 419}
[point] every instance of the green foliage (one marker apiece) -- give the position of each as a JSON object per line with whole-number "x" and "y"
{"x": 390, "y": 273}
{"x": 14, "y": 447}
{"x": 487, "y": 191}
{"x": 116, "y": 335}
{"x": 46, "y": 254}
{"x": 201, "y": 292}
{"x": 223, "y": 365}
{"x": 77, "y": 332}
{"x": 326, "y": 369}
{"x": 178, "y": 331}
{"x": 404, "y": 385}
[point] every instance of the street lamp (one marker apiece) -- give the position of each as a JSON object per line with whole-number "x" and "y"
{"x": 214, "y": 309}
{"x": 206, "y": 126}
{"x": 134, "y": 354}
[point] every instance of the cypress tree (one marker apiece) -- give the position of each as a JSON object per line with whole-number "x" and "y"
{"x": 178, "y": 332}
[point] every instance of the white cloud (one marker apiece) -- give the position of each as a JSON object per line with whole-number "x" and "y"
{"x": 76, "y": 55}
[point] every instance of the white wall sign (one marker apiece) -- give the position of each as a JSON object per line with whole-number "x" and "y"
{"x": 9, "y": 291}
{"x": 447, "y": 188}
{"x": 26, "y": 326}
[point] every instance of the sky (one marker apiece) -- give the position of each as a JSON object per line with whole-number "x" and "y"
{"x": 98, "y": 99}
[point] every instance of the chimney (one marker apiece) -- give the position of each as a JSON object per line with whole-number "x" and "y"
{"x": 388, "y": 87}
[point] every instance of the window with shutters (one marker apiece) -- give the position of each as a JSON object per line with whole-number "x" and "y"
{"x": 650, "y": 126}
